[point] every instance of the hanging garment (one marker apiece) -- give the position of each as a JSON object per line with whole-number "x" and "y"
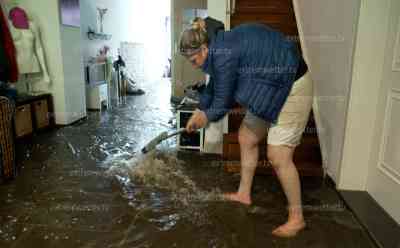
{"x": 9, "y": 50}
{"x": 4, "y": 66}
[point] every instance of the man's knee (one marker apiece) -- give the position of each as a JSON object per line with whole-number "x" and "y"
{"x": 247, "y": 138}
{"x": 279, "y": 156}
{"x": 273, "y": 158}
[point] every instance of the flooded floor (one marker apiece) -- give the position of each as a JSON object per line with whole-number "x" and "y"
{"x": 87, "y": 186}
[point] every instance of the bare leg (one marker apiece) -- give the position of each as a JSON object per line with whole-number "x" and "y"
{"x": 281, "y": 158}
{"x": 249, "y": 158}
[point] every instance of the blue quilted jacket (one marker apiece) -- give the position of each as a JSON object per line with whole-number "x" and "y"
{"x": 253, "y": 65}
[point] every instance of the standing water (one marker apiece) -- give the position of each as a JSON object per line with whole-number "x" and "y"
{"x": 164, "y": 172}
{"x": 84, "y": 186}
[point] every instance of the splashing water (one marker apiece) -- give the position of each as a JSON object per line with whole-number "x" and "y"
{"x": 162, "y": 171}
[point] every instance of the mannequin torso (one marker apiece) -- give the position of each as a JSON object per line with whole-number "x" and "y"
{"x": 24, "y": 41}
{"x": 25, "y": 33}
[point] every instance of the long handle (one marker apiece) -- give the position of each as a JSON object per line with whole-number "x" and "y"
{"x": 179, "y": 131}
{"x": 161, "y": 137}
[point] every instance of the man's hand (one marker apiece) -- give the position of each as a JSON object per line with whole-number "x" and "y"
{"x": 197, "y": 121}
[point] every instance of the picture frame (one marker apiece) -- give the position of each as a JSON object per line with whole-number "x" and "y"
{"x": 70, "y": 13}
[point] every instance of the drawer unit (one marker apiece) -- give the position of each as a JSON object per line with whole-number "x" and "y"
{"x": 41, "y": 112}
{"x": 23, "y": 120}
{"x": 33, "y": 113}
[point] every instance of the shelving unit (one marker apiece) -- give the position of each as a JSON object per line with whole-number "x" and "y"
{"x": 92, "y": 35}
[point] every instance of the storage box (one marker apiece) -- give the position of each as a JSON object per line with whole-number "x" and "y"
{"x": 41, "y": 110}
{"x": 23, "y": 120}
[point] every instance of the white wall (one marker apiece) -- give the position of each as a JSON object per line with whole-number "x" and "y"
{"x": 218, "y": 9}
{"x": 328, "y": 30}
{"x": 65, "y": 72}
{"x": 74, "y": 82}
{"x": 117, "y": 22}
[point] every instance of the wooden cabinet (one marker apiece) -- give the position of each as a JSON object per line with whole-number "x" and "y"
{"x": 33, "y": 113}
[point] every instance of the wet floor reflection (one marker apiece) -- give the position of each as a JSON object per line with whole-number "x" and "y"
{"x": 87, "y": 185}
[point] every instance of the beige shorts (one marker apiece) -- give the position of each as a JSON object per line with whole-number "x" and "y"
{"x": 293, "y": 118}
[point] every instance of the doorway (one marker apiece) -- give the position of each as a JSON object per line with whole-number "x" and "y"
{"x": 139, "y": 31}
{"x": 151, "y": 22}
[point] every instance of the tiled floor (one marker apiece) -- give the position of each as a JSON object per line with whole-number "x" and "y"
{"x": 64, "y": 198}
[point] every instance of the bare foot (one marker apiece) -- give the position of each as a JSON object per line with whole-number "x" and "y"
{"x": 289, "y": 229}
{"x": 244, "y": 199}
